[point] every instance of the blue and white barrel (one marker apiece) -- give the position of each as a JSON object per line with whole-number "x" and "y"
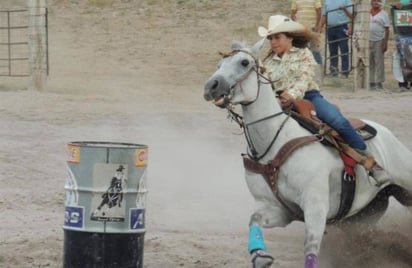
{"x": 104, "y": 223}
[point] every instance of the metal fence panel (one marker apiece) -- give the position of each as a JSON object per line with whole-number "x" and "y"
{"x": 14, "y": 45}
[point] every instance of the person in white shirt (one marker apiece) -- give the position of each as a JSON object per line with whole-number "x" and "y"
{"x": 378, "y": 44}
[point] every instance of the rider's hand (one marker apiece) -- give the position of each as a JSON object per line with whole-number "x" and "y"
{"x": 285, "y": 99}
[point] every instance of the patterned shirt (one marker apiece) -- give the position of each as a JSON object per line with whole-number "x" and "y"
{"x": 306, "y": 11}
{"x": 294, "y": 72}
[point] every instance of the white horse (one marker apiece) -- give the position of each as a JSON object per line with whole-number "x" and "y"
{"x": 309, "y": 181}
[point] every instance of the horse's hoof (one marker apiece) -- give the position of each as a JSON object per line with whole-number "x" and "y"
{"x": 311, "y": 261}
{"x": 261, "y": 259}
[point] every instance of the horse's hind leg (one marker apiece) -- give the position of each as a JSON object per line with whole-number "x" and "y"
{"x": 402, "y": 195}
{"x": 265, "y": 217}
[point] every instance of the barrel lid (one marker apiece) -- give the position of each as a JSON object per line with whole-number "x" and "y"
{"x": 105, "y": 144}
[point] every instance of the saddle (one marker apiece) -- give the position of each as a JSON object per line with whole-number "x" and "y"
{"x": 304, "y": 113}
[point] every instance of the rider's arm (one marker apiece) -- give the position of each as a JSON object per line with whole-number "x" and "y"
{"x": 303, "y": 74}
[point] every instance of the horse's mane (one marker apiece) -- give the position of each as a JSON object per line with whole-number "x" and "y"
{"x": 235, "y": 45}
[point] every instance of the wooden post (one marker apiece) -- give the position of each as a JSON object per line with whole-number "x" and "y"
{"x": 361, "y": 44}
{"x": 37, "y": 44}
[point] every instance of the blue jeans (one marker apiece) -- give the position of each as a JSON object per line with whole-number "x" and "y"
{"x": 329, "y": 114}
{"x": 338, "y": 39}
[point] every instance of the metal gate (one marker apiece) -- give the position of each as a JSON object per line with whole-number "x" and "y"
{"x": 14, "y": 43}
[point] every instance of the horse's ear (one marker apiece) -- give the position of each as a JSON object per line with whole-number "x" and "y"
{"x": 237, "y": 45}
{"x": 258, "y": 46}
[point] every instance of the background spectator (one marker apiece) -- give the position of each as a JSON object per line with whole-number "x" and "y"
{"x": 337, "y": 15}
{"x": 403, "y": 3}
{"x": 308, "y": 13}
{"x": 402, "y": 57}
{"x": 378, "y": 43}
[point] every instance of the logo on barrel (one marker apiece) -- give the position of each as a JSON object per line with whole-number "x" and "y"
{"x": 137, "y": 219}
{"x": 110, "y": 205}
{"x": 74, "y": 154}
{"x": 141, "y": 157}
{"x": 73, "y": 217}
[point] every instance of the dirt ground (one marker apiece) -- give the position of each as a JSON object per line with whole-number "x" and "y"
{"x": 133, "y": 71}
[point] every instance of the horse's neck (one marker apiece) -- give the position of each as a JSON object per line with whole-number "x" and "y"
{"x": 263, "y": 132}
{"x": 264, "y": 106}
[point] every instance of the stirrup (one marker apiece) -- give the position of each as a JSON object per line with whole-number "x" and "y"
{"x": 371, "y": 174}
{"x": 368, "y": 163}
{"x": 265, "y": 259}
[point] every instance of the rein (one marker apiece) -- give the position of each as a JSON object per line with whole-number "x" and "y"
{"x": 238, "y": 118}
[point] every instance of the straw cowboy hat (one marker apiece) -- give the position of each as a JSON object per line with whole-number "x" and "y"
{"x": 280, "y": 24}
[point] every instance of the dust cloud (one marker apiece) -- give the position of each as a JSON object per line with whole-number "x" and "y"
{"x": 195, "y": 176}
{"x": 386, "y": 244}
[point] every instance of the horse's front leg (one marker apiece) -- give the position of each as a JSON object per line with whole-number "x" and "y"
{"x": 267, "y": 216}
{"x": 315, "y": 206}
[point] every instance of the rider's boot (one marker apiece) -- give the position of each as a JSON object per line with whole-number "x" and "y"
{"x": 379, "y": 174}
{"x": 374, "y": 170}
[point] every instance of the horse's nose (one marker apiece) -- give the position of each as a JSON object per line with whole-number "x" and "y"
{"x": 215, "y": 83}
{"x": 210, "y": 89}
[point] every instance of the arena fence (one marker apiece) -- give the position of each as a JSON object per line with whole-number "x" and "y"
{"x": 14, "y": 42}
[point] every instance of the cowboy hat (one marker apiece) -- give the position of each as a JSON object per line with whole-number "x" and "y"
{"x": 280, "y": 24}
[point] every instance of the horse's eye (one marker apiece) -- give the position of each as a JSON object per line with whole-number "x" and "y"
{"x": 245, "y": 63}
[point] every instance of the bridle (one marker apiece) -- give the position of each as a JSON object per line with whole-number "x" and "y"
{"x": 259, "y": 70}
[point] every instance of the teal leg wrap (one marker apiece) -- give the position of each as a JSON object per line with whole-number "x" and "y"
{"x": 255, "y": 239}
